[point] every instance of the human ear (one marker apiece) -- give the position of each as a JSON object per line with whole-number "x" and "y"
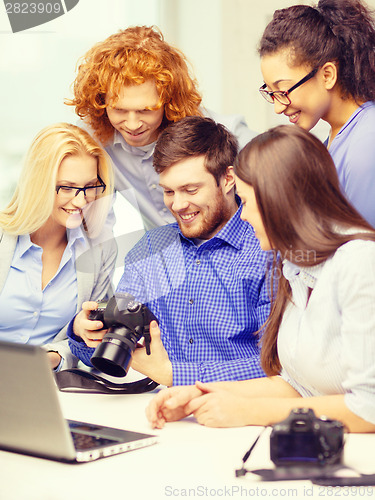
{"x": 329, "y": 73}
{"x": 229, "y": 179}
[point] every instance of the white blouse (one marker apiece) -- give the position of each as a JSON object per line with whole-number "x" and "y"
{"x": 326, "y": 344}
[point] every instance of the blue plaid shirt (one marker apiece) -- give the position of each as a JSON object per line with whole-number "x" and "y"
{"x": 209, "y": 300}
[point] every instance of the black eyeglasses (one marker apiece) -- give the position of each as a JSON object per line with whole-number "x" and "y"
{"x": 89, "y": 192}
{"x": 282, "y": 96}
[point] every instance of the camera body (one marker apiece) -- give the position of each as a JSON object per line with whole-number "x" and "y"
{"x": 304, "y": 439}
{"x": 127, "y": 321}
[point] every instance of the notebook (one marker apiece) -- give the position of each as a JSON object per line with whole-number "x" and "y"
{"x": 31, "y": 419}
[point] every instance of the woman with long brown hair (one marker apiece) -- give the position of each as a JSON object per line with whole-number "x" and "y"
{"x": 319, "y": 345}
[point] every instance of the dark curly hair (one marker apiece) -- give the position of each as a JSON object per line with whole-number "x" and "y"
{"x": 342, "y": 31}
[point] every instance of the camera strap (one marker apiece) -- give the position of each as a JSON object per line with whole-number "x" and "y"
{"x": 242, "y": 472}
{"x": 76, "y": 380}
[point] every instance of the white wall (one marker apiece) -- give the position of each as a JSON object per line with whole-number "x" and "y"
{"x": 220, "y": 39}
{"x": 37, "y": 68}
{"x": 195, "y": 26}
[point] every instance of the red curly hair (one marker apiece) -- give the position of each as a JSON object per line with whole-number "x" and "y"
{"x": 131, "y": 57}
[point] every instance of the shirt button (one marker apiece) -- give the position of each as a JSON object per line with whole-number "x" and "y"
{"x": 191, "y": 301}
{"x": 35, "y": 314}
{"x": 165, "y": 209}
{"x": 153, "y": 186}
{"x": 191, "y": 341}
{"x": 198, "y": 262}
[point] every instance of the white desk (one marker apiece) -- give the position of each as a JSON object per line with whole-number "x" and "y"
{"x": 190, "y": 461}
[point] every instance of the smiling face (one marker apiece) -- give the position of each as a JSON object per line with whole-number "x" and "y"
{"x": 132, "y": 114}
{"x": 310, "y": 102}
{"x": 191, "y": 193}
{"x": 250, "y": 212}
{"x": 74, "y": 171}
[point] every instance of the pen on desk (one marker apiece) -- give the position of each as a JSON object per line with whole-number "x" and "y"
{"x": 241, "y": 472}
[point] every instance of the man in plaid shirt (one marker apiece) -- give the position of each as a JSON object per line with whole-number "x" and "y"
{"x": 203, "y": 277}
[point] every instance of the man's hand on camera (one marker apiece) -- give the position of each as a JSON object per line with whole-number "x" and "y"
{"x": 157, "y": 365}
{"x": 91, "y": 332}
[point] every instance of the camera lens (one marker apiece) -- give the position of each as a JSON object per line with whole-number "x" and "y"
{"x": 127, "y": 321}
{"x": 114, "y": 354}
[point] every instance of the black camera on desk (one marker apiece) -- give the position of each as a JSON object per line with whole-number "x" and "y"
{"x": 303, "y": 439}
{"x": 127, "y": 321}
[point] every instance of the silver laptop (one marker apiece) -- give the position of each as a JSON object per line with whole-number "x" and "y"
{"x": 31, "y": 420}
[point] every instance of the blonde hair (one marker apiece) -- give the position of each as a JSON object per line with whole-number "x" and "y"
{"x": 33, "y": 200}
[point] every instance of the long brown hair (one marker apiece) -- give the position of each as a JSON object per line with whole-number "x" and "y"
{"x": 305, "y": 215}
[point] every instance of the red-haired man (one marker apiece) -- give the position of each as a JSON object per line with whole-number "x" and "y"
{"x": 129, "y": 87}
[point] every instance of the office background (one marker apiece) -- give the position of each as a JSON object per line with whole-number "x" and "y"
{"x": 38, "y": 66}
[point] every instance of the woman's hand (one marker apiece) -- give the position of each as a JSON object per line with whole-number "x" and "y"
{"x": 218, "y": 407}
{"x": 54, "y": 359}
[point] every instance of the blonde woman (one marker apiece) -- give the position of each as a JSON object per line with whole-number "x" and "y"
{"x": 53, "y": 254}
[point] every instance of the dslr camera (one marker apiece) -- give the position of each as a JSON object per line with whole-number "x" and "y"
{"x": 303, "y": 439}
{"x": 127, "y": 321}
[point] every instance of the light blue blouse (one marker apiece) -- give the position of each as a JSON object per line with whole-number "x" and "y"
{"x": 28, "y": 313}
{"x": 353, "y": 151}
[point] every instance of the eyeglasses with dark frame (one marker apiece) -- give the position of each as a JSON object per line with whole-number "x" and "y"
{"x": 283, "y": 96}
{"x": 89, "y": 192}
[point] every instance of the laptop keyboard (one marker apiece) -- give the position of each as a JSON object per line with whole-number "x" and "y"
{"x": 85, "y": 442}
